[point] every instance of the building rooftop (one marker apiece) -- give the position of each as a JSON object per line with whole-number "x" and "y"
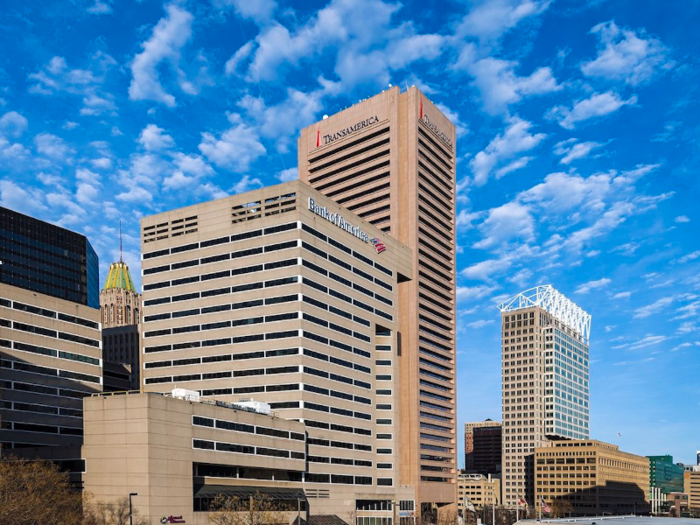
{"x": 554, "y": 302}
{"x": 119, "y": 276}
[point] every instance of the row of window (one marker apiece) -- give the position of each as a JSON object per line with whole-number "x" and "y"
{"x": 249, "y": 252}
{"x": 45, "y": 371}
{"x": 342, "y": 280}
{"x": 38, "y": 330}
{"x": 339, "y": 262}
{"x": 49, "y": 313}
{"x": 60, "y": 354}
{"x": 45, "y": 390}
{"x": 234, "y": 426}
{"x": 18, "y": 406}
{"x": 41, "y": 429}
{"x": 220, "y": 446}
{"x": 267, "y": 231}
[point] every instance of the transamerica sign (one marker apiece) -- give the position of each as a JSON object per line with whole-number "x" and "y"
{"x": 338, "y": 220}
{"x": 327, "y": 139}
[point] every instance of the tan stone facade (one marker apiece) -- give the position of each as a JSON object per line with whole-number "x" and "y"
{"x": 540, "y": 403}
{"x": 391, "y": 160}
{"x": 280, "y": 295}
{"x": 595, "y": 477}
{"x": 50, "y": 352}
{"x": 166, "y": 449}
{"x": 691, "y": 486}
{"x": 478, "y": 490}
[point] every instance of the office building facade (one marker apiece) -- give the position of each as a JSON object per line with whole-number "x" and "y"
{"x": 691, "y": 486}
{"x": 665, "y": 474}
{"x": 120, "y": 311}
{"x": 595, "y": 478}
{"x": 483, "y": 447}
{"x": 476, "y": 491}
{"x": 545, "y": 381}
{"x": 391, "y": 160}
{"x": 282, "y": 296}
{"x": 50, "y": 349}
{"x": 47, "y": 259}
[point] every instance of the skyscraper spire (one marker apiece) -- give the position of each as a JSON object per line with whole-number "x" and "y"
{"x": 121, "y": 259}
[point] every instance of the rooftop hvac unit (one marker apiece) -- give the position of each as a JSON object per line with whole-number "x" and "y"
{"x": 258, "y": 406}
{"x": 189, "y": 395}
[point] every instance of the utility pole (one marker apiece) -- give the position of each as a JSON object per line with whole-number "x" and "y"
{"x": 131, "y": 511}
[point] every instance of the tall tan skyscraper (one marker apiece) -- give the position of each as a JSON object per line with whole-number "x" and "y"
{"x": 391, "y": 160}
{"x": 545, "y": 381}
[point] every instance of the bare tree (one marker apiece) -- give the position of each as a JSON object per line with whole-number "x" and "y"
{"x": 561, "y": 508}
{"x": 259, "y": 509}
{"x": 37, "y": 492}
{"x": 110, "y": 513}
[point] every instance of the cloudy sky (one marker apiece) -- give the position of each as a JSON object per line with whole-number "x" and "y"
{"x": 578, "y": 127}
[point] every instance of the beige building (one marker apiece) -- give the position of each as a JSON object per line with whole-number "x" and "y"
{"x": 545, "y": 388}
{"x": 283, "y": 296}
{"x": 391, "y": 160}
{"x": 469, "y": 465}
{"x": 50, "y": 352}
{"x": 477, "y": 490}
{"x": 691, "y": 486}
{"x": 594, "y": 477}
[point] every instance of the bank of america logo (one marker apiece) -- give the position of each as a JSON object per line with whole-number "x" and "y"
{"x": 378, "y": 245}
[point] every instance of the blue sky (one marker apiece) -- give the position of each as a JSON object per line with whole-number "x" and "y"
{"x": 578, "y": 153}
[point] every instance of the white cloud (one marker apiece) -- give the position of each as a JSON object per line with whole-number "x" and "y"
{"x": 498, "y": 84}
{"x": 87, "y": 194}
{"x": 489, "y": 20}
{"x": 689, "y": 257}
{"x": 288, "y": 175}
{"x": 649, "y": 340}
{"x": 484, "y": 270}
{"x": 505, "y": 223}
{"x": 190, "y": 169}
{"x": 625, "y": 55}
{"x": 68, "y": 125}
{"x": 236, "y": 148}
{"x": 56, "y": 77}
{"x": 153, "y": 138}
{"x": 100, "y": 7}
{"x": 239, "y": 56}
{"x": 246, "y": 184}
{"x": 466, "y": 293}
{"x": 461, "y": 128}
{"x": 259, "y": 11}
{"x": 15, "y": 197}
{"x": 12, "y": 124}
{"x": 571, "y": 149}
{"x": 168, "y": 38}
{"x": 52, "y": 146}
{"x": 514, "y": 140}
{"x": 597, "y": 105}
{"x": 593, "y": 285}
{"x": 367, "y": 49}
{"x": 681, "y": 219}
{"x": 136, "y": 195}
{"x": 622, "y": 295}
{"x": 653, "y": 308}
{"x": 465, "y": 219}
{"x": 480, "y": 323}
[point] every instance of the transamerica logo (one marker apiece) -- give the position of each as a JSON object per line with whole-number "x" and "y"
{"x": 338, "y": 220}
{"x": 327, "y": 139}
{"x": 437, "y": 131}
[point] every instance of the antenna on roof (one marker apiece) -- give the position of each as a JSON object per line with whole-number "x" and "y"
{"x": 121, "y": 260}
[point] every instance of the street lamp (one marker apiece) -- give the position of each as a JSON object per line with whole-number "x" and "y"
{"x": 131, "y": 516}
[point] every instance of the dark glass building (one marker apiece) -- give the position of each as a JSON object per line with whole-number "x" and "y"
{"x": 47, "y": 259}
{"x": 487, "y": 450}
{"x": 665, "y": 474}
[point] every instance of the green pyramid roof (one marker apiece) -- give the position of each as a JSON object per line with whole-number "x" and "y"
{"x": 119, "y": 277}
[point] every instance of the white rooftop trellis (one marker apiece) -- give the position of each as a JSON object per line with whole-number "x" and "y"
{"x": 554, "y": 302}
